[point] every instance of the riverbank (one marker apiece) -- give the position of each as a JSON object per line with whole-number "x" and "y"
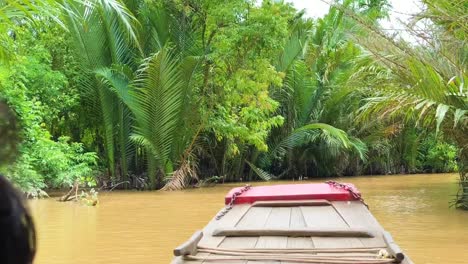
{"x": 144, "y": 227}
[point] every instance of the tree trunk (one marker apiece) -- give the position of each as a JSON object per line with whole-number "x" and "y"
{"x": 461, "y": 140}
{"x": 152, "y": 171}
{"x": 462, "y": 196}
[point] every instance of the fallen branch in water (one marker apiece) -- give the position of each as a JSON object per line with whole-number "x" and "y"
{"x": 88, "y": 198}
{"x": 113, "y": 187}
{"x": 68, "y": 197}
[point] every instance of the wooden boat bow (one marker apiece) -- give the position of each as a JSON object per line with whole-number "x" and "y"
{"x": 306, "y": 224}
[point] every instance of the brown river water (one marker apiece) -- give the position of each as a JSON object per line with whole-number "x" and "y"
{"x": 144, "y": 227}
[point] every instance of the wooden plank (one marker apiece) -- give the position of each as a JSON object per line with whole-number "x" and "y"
{"x": 293, "y": 232}
{"x": 336, "y": 242}
{"x": 393, "y": 248}
{"x": 255, "y": 217}
{"x": 323, "y": 217}
{"x": 356, "y": 214}
{"x": 190, "y": 246}
{"x": 297, "y": 221}
{"x": 300, "y": 242}
{"x": 278, "y": 218}
{"x": 297, "y": 218}
{"x": 235, "y": 243}
{"x": 318, "y": 202}
{"x": 229, "y": 220}
{"x": 239, "y": 242}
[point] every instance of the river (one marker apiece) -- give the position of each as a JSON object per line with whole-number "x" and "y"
{"x": 144, "y": 227}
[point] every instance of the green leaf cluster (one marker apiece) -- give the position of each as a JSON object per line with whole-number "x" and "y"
{"x": 41, "y": 99}
{"x": 162, "y": 94}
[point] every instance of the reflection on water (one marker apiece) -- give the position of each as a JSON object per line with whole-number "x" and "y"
{"x": 144, "y": 227}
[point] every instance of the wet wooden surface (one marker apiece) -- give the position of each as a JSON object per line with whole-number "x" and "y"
{"x": 341, "y": 215}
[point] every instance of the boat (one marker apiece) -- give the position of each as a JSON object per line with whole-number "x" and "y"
{"x": 321, "y": 223}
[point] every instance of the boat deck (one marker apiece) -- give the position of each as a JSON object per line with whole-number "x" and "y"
{"x": 336, "y": 215}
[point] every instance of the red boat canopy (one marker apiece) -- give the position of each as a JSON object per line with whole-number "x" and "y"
{"x": 292, "y": 192}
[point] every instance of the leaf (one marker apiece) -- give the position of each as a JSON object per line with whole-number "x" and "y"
{"x": 261, "y": 173}
{"x": 440, "y": 114}
{"x": 459, "y": 114}
{"x": 329, "y": 130}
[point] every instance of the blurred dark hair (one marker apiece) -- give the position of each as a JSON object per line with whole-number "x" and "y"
{"x": 17, "y": 233}
{"x": 8, "y": 134}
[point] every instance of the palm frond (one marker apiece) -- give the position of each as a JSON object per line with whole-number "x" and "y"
{"x": 182, "y": 177}
{"x": 159, "y": 95}
{"x": 261, "y": 173}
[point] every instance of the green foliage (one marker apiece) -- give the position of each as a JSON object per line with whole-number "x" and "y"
{"x": 26, "y": 177}
{"x": 158, "y": 101}
{"x": 422, "y": 82}
{"x": 103, "y": 34}
{"x": 46, "y": 163}
{"x": 438, "y": 156}
{"x": 246, "y": 112}
{"x": 239, "y": 107}
{"x": 174, "y": 92}
{"x": 263, "y": 175}
{"x": 39, "y": 96}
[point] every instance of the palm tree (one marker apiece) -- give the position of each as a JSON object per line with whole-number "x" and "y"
{"x": 310, "y": 98}
{"x": 162, "y": 119}
{"x": 425, "y": 79}
{"x": 104, "y": 34}
{"x": 159, "y": 96}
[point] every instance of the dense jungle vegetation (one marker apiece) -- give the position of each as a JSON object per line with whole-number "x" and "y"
{"x": 166, "y": 94}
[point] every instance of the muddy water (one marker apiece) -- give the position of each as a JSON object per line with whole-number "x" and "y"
{"x": 144, "y": 227}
